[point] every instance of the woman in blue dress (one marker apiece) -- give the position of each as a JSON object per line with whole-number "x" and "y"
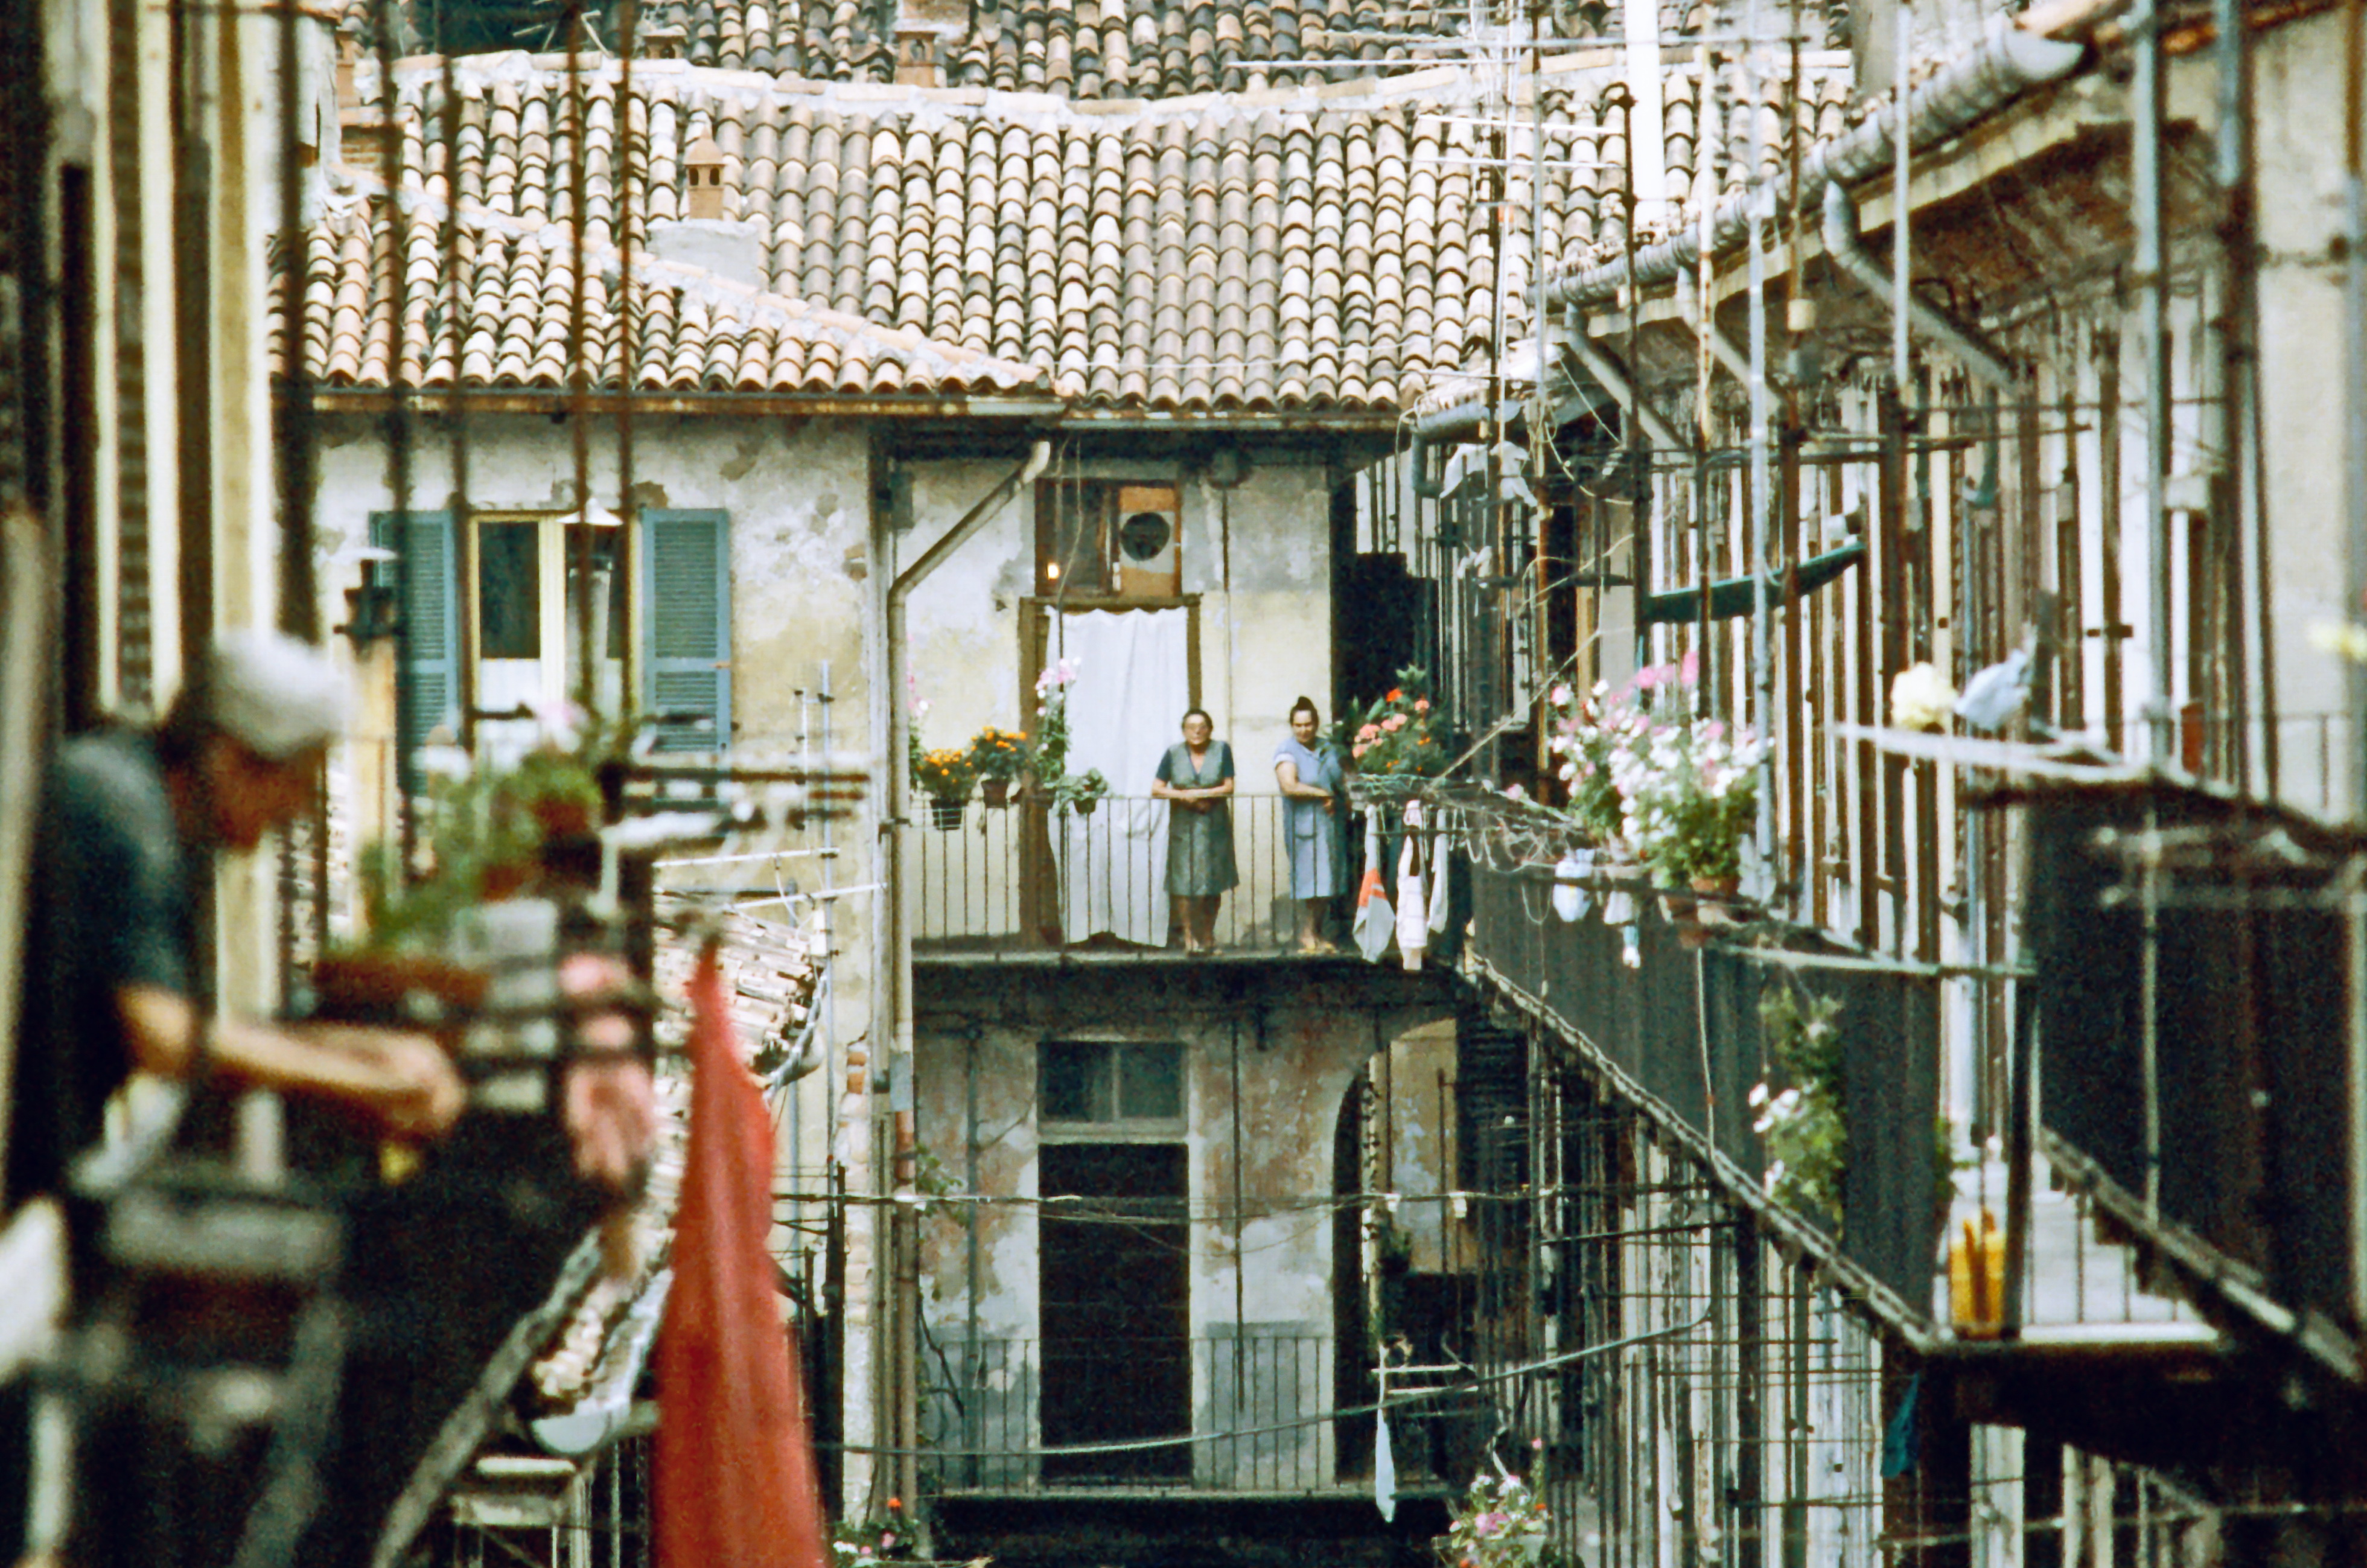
{"x": 1314, "y": 788}
{"x": 1195, "y": 777}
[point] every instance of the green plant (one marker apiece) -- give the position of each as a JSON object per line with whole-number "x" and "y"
{"x": 944, "y": 774}
{"x": 1588, "y": 735}
{"x": 998, "y": 754}
{"x": 483, "y": 827}
{"x": 1049, "y": 753}
{"x": 1689, "y": 793}
{"x": 1403, "y": 732}
{"x": 858, "y": 1543}
{"x": 1079, "y": 791}
{"x": 1502, "y": 1523}
{"x": 1808, "y": 1139}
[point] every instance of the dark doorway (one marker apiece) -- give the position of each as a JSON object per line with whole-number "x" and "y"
{"x": 1112, "y": 1277}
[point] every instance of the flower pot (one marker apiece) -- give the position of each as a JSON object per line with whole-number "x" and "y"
{"x": 946, "y": 816}
{"x": 1713, "y": 907}
{"x": 1684, "y": 911}
{"x": 995, "y": 792}
{"x": 1085, "y": 808}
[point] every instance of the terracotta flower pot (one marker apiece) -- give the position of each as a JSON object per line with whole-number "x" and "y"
{"x": 995, "y": 792}
{"x": 1714, "y": 907}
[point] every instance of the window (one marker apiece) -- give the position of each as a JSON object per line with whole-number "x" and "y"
{"x": 1106, "y": 539}
{"x": 1102, "y": 1084}
{"x": 501, "y": 608}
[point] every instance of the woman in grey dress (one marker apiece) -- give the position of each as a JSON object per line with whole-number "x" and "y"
{"x": 1314, "y": 787}
{"x": 1195, "y": 777}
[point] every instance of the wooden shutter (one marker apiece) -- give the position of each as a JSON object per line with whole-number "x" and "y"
{"x": 686, "y": 590}
{"x": 431, "y": 617}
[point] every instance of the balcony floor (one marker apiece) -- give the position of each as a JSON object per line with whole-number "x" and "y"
{"x": 2078, "y": 1290}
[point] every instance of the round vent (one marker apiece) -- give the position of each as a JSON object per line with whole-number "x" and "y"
{"x": 1144, "y": 535}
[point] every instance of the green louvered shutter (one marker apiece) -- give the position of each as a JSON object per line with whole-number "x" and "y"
{"x": 686, "y": 585}
{"x": 429, "y": 571}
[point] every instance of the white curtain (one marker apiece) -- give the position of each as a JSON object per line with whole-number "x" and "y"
{"x": 1133, "y": 684}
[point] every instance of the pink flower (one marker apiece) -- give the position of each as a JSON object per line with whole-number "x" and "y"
{"x": 1559, "y": 696}
{"x": 1422, "y": 704}
{"x": 1394, "y": 722}
{"x": 1689, "y": 667}
{"x": 1369, "y": 732}
{"x": 1357, "y": 750}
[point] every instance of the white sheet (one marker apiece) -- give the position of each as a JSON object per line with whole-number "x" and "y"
{"x": 1133, "y": 684}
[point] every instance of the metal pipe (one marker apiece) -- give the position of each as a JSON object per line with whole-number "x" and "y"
{"x": 1763, "y": 498}
{"x": 1848, "y": 250}
{"x": 899, "y": 920}
{"x": 1902, "y": 264}
{"x": 2148, "y": 107}
{"x": 2010, "y": 60}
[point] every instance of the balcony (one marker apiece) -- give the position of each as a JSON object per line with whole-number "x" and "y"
{"x": 1213, "y": 1415}
{"x": 1021, "y": 880}
{"x": 2196, "y": 955}
{"x": 1679, "y": 1034}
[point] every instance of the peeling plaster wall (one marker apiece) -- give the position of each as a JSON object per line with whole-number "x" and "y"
{"x": 1263, "y": 646}
{"x": 1420, "y": 1120}
{"x": 1275, "y": 1286}
{"x": 796, "y": 494}
{"x": 2298, "y": 74}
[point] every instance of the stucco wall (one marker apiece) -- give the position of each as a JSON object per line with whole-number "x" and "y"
{"x": 1263, "y": 644}
{"x": 1274, "y": 1287}
{"x": 796, "y": 495}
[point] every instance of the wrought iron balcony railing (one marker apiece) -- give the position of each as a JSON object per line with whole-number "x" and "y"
{"x": 1018, "y": 877}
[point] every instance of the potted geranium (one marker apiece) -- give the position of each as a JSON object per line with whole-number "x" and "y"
{"x": 945, "y": 775}
{"x": 1403, "y": 732}
{"x": 997, "y": 755}
{"x": 1689, "y": 790}
{"x": 1502, "y": 1523}
{"x": 1588, "y": 735}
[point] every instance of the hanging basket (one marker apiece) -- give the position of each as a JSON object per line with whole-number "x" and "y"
{"x": 995, "y": 792}
{"x": 1085, "y": 808}
{"x": 946, "y": 816}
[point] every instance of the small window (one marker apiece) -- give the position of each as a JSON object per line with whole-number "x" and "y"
{"x": 1105, "y": 1084}
{"x": 1100, "y": 538}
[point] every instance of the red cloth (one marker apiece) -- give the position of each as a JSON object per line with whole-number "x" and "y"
{"x": 735, "y": 1465}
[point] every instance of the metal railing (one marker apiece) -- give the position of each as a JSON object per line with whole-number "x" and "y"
{"x": 987, "y": 879}
{"x": 1681, "y": 1028}
{"x": 1217, "y": 1414}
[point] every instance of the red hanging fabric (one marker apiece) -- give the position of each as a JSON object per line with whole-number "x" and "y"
{"x": 735, "y": 1465}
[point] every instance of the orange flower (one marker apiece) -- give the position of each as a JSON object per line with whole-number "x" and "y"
{"x": 1397, "y": 694}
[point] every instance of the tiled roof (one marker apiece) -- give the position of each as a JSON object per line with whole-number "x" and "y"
{"x": 1307, "y": 251}
{"x": 695, "y": 332}
{"x": 1148, "y": 49}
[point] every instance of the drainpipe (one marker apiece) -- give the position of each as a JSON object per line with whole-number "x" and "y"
{"x": 899, "y": 999}
{"x": 1598, "y": 365}
{"x": 1849, "y": 252}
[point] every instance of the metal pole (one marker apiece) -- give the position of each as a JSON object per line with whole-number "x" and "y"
{"x": 2354, "y": 335}
{"x": 1901, "y": 250}
{"x": 2148, "y": 93}
{"x": 1762, "y": 480}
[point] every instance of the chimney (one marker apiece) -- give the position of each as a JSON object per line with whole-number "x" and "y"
{"x": 705, "y": 163}
{"x": 916, "y": 58}
{"x": 662, "y": 43}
